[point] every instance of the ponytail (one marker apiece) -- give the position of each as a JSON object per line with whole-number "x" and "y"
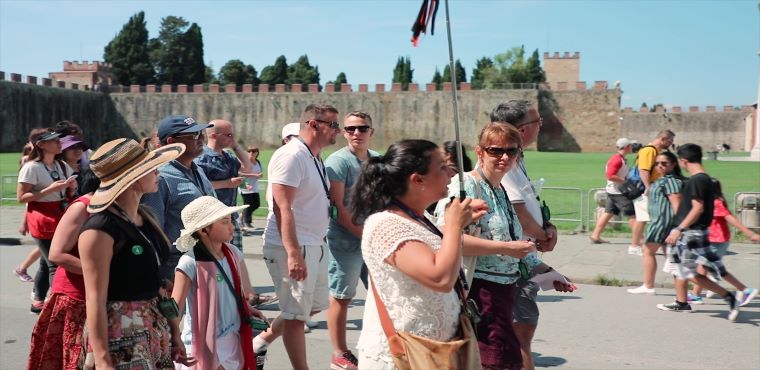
{"x": 387, "y": 176}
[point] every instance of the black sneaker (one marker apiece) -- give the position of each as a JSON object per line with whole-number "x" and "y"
{"x": 675, "y": 307}
{"x": 261, "y": 357}
{"x": 733, "y": 304}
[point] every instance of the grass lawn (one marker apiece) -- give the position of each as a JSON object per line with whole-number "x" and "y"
{"x": 578, "y": 171}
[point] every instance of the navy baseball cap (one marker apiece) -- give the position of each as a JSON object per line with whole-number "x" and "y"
{"x": 172, "y": 125}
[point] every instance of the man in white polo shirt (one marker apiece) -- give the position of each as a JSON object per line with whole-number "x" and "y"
{"x": 295, "y": 250}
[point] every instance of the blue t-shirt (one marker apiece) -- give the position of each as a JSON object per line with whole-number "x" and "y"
{"x": 343, "y": 166}
{"x": 220, "y": 167}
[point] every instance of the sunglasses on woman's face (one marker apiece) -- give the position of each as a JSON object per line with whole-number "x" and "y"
{"x": 664, "y": 164}
{"x": 498, "y": 152}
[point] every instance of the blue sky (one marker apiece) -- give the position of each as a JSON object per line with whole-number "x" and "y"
{"x": 675, "y": 53}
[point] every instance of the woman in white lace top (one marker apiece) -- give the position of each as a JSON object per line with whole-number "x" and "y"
{"x": 412, "y": 268}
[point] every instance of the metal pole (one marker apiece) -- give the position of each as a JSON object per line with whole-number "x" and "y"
{"x": 460, "y": 161}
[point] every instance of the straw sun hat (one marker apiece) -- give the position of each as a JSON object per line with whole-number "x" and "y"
{"x": 119, "y": 163}
{"x": 198, "y": 214}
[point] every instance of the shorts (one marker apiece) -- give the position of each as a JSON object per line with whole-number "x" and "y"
{"x": 344, "y": 267}
{"x": 720, "y": 248}
{"x": 640, "y": 206}
{"x": 526, "y": 308}
{"x": 498, "y": 344}
{"x": 693, "y": 249}
{"x": 669, "y": 267}
{"x": 299, "y": 299}
{"x": 617, "y": 203}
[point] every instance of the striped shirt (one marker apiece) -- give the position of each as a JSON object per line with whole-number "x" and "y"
{"x": 660, "y": 211}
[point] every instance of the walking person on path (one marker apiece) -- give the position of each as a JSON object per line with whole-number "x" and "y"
{"x": 664, "y": 200}
{"x": 412, "y": 267}
{"x": 615, "y": 172}
{"x": 45, "y": 186}
{"x": 343, "y": 236}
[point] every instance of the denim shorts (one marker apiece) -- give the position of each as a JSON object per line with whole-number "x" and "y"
{"x": 344, "y": 267}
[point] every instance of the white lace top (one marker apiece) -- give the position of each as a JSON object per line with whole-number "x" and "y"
{"x": 412, "y": 307}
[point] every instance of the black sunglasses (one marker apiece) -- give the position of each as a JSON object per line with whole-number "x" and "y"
{"x": 351, "y": 129}
{"x": 662, "y": 163}
{"x": 497, "y": 152}
{"x": 333, "y": 125}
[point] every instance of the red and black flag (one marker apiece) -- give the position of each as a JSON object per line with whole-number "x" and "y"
{"x": 424, "y": 18}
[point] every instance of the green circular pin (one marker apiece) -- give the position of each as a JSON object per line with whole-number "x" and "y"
{"x": 218, "y": 277}
{"x": 137, "y": 250}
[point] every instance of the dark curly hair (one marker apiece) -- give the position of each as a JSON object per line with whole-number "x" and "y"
{"x": 387, "y": 176}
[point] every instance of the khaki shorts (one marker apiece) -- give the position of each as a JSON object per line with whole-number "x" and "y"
{"x": 640, "y": 205}
{"x": 299, "y": 299}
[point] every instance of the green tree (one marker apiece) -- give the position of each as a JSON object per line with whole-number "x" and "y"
{"x": 512, "y": 64}
{"x": 535, "y": 72}
{"x": 238, "y": 73}
{"x": 403, "y": 72}
{"x": 195, "y": 68}
{"x": 340, "y": 79}
{"x": 461, "y": 74}
{"x": 168, "y": 52}
{"x": 128, "y": 53}
{"x": 483, "y": 66}
{"x": 301, "y": 72}
{"x": 210, "y": 75}
{"x": 275, "y": 74}
{"x": 437, "y": 79}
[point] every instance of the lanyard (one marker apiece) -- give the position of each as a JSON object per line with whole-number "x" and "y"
{"x": 320, "y": 170}
{"x": 56, "y": 167}
{"x": 196, "y": 180}
{"x": 129, "y": 220}
{"x": 433, "y": 229}
{"x": 508, "y": 205}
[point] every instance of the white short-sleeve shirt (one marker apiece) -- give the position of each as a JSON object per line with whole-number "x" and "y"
{"x": 40, "y": 176}
{"x": 520, "y": 190}
{"x": 293, "y": 165}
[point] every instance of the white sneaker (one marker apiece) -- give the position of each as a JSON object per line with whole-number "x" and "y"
{"x": 635, "y": 250}
{"x": 641, "y": 290}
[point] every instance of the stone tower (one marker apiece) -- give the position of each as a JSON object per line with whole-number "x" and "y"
{"x": 564, "y": 68}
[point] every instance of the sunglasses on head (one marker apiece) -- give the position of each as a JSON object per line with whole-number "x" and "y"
{"x": 498, "y": 152}
{"x": 333, "y": 125}
{"x": 351, "y": 129}
{"x": 193, "y": 136}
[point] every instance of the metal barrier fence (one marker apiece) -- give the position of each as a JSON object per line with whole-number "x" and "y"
{"x": 749, "y": 216}
{"x": 591, "y": 208}
{"x": 8, "y": 187}
{"x": 566, "y": 204}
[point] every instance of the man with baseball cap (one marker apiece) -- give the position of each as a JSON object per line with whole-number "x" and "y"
{"x": 179, "y": 181}
{"x": 290, "y": 131}
{"x": 615, "y": 172}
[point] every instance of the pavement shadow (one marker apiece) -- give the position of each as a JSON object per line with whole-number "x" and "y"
{"x": 556, "y": 298}
{"x": 547, "y": 361}
{"x": 745, "y": 317}
{"x": 355, "y": 324}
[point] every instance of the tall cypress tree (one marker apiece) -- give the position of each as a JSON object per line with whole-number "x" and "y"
{"x": 535, "y": 72}
{"x": 169, "y": 55}
{"x": 403, "y": 72}
{"x": 461, "y": 74}
{"x": 128, "y": 53}
{"x": 195, "y": 68}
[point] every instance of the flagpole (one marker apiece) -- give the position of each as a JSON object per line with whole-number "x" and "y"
{"x": 460, "y": 161}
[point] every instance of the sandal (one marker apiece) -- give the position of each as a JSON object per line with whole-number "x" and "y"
{"x": 597, "y": 241}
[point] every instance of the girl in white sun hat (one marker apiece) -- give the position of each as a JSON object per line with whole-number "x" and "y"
{"x": 210, "y": 284}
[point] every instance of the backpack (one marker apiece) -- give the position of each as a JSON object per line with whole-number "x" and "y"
{"x": 633, "y": 187}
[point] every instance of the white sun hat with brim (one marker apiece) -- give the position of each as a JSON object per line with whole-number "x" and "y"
{"x": 120, "y": 163}
{"x": 198, "y": 214}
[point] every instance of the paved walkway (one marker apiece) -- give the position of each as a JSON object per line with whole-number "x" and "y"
{"x": 594, "y": 328}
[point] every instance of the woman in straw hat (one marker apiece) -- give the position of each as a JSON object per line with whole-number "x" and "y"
{"x": 44, "y": 185}
{"x": 121, "y": 248}
{"x": 213, "y": 278}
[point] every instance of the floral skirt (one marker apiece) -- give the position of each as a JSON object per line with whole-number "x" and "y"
{"x": 138, "y": 337}
{"x": 57, "y": 336}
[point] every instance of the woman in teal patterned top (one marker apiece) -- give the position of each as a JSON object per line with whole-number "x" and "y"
{"x": 502, "y": 253}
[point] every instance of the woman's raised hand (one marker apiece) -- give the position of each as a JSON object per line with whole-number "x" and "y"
{"x": 461, "y": 213}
